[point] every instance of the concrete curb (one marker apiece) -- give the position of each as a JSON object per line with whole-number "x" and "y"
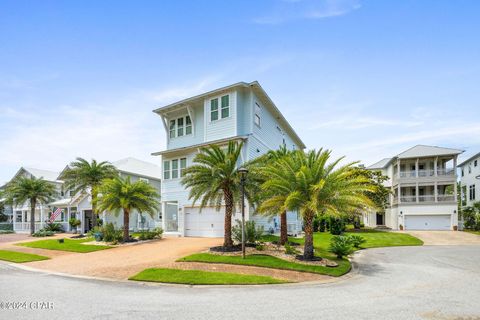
{"x": 332, "y": 280}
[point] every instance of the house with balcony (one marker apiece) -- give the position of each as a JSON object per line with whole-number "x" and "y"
{"x": 241, "y": 112}
{"x": 470, "y": 180}
{"x": 423, "y": 184}
{"x": 78, "y": 205}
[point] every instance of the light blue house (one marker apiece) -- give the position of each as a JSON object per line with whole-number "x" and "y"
{"x": 239, "y": 112}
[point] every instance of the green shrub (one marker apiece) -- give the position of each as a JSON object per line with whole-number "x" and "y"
{"x": 291, "y": 250}
{"x": 74, "y": 223}
{"x": 43, "y": 233}
{"x": 54, "y": 227}
{"x": 260, "y": 247}
{"x": 341, "y": 246}
{"x": 151, "y": 234}
{"x": 110, "y": 234}
{"x": 252, "y": 233}
{"x": 337, "y": 225}
{"x": 356, "y": 240}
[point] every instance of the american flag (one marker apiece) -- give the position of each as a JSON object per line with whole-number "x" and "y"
{"x": 55, "y": 214}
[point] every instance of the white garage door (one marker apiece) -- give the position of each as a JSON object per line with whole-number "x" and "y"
{"x": 207, "y": 223}
{"x": 433, "y": 222}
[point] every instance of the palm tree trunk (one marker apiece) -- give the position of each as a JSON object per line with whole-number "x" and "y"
{"x": 308, "y": 225}
{"x": 33, "y": 204}
{"x": 227, "y": 238}
{"x": 283, "y": 228}
{"x": 94, "y": 207}
{"x": 126, "y": 225}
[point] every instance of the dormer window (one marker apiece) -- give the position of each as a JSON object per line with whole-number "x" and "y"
{"x": 180, "y": 127}
{"x": 224, "y": 107}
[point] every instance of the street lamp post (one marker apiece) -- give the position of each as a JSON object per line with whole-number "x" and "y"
{"x": 243, "y": 176}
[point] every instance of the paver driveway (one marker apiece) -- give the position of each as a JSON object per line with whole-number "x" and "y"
{"x": 446, "y": 238}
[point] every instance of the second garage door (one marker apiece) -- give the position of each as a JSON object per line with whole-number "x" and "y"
{"x": 427, "y": 222}
{"x": 207, "y": 223}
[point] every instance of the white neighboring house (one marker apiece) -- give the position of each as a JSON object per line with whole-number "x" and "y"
{"x": 424, "y": 190}
{"x": 78, "y": 205}
{"x": 470, "y": 180}
{"x": 239, "y": 112}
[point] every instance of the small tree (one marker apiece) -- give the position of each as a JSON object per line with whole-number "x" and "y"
{"x": 33, "y": 190}
{"x": 121, "y": 195}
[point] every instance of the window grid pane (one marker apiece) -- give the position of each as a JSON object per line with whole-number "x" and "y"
{"x": 214, "y": 116}
{"x": 183, "y": 166}
{"x": 174, "y": 169}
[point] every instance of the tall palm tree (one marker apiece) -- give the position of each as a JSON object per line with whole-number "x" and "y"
{"x": 82, "y": 175}
{"x": 121, "y": 195}
{"x": 277, "y": 194}
{"x": 315, "y": 186}
{"x": 214, "y": 179}
{"x": 33, "y": 190}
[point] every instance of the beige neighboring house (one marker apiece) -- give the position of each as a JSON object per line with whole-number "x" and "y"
{"x": 422, "y": 180}
{"x": 78, "y": 205}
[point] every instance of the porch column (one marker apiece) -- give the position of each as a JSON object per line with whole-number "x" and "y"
{"x": 41, "y": 216}
{"x": 435, "y": 166}
{"x": 435, "y": 191}
{"x": 416, "y": 191}
{"x": 416, "y": 171}
{"x": 399, "y": 194}
{"x": 164, "y": 214}
{"x": 68, "y": 218}
{"x": 398, "y": 168}
{"x": 455, "y": 168}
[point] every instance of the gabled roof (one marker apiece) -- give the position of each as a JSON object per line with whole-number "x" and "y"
{"x": 46, "y": 175}
{"x": 469, "y": 159}
{"x": 380, "y": 164}
{"x": 138, "y": 167}
{"x": 258, "y": 90}
{"x": 420, "y": 151}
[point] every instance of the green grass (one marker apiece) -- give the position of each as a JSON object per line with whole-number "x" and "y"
{"x": 197, "y": 277}
{"x": 267, "y": 261}
{"x": 20, "y": 257}
{"x": 321, "y": 240}
{"x": 473, "y": 231}
{"x": 68, "y": 245}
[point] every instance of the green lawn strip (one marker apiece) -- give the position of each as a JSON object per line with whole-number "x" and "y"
{"x": 266, "y": 261}
{"x": 20, "y": 257}
{"x": 197, "y": 277}
{"x": 473, "y": 232}
{"x": 68, "y": 245}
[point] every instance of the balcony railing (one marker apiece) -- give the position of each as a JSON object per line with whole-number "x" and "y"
{"x": 424, "y": 173}
{"x": 430, "y": 198}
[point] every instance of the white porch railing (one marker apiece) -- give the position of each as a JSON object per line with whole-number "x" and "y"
{"x": 446, "y": 197}
{"x": 25, "y": 226}
{"x": 426, "y": 198}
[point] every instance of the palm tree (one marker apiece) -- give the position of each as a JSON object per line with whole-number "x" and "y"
{"x": 214, "y": 179}
{"x": 33, "y": 190}
{"x": 122, "y": 195}
{"x": 277, "y": 195}
{"x": 82, "y": 175}
{"x": 313, "y": 186}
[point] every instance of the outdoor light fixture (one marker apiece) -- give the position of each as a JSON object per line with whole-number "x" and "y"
{"x": 401, "y": 213}
{"x": 243, "y": 176}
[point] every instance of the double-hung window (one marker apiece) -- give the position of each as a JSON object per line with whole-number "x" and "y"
{"x": 472, "y": 192}
{"x": 175, "y": 168}
{"x": 220, "y": 111}
{"x": 172, "y": 128}
{"x": 179, "y": 127}
{"x": 188, "y": 125}
{"x": 166, "y": 170}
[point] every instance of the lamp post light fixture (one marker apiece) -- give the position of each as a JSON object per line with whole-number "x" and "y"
{"x": 243, "y": 177}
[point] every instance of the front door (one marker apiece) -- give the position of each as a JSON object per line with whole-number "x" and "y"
{"x": 88, "y": 220}
{"x": 380, "y": 221}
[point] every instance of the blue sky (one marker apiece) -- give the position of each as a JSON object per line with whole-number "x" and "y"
{"x": 367, "y": 79}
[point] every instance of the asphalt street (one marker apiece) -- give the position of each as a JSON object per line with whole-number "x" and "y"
{"x": 429, "y": 282}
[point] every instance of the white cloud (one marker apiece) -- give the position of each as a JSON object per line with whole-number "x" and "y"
{"x": 287, "y": 10}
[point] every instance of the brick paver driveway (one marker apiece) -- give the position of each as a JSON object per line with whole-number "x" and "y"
{"x": 446, "y": 238}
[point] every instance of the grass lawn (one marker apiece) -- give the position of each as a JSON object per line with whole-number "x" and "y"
{"x": 321, "y": 240}
{"x": 473, "y": 231}
{"x": 200, "y": 277}
{"x": 68, "y": 245}
{"x": 267, "y": 261}
{"x": 20, "y": 257}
